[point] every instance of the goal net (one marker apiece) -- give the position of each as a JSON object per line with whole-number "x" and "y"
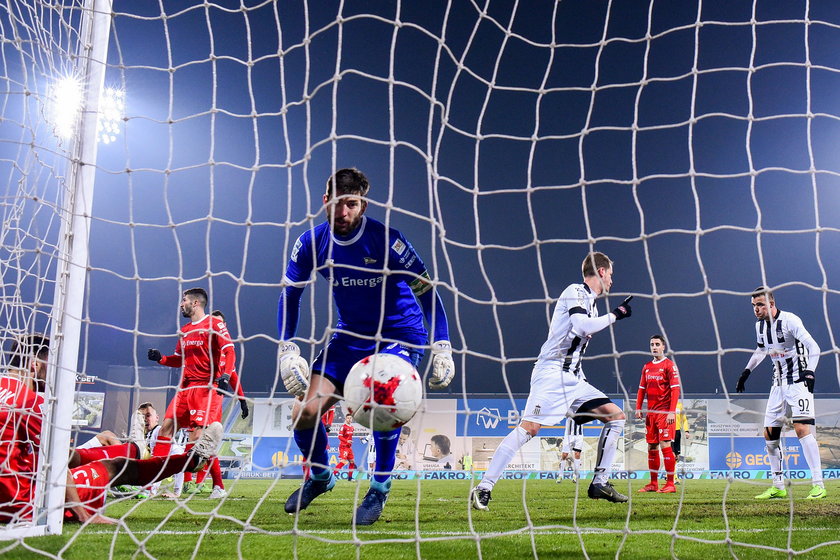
{"x": 693, "y": 143}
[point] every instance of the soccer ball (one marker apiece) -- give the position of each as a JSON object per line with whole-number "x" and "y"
{"x": 382, "y": 392}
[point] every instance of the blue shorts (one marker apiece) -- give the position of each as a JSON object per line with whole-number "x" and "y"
{"x": 343, "y": 351}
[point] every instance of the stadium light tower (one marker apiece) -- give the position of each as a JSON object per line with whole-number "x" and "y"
{"x": 68, "y": 97}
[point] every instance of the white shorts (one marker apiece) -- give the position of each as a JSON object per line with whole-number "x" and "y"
{"x": 572, "y": 443}
{"x": 556, "y": 394}
{"x": 794, "y": 401}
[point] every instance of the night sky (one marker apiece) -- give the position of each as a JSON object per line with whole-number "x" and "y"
{"x": 505, "y": 140}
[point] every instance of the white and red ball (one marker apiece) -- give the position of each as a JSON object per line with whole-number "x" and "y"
{"x": 382, "y": 392}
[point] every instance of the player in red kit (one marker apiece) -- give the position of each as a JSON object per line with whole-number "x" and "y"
{"x": 20, "y": 424}
{"x": 21, "y": 419}
{"x": 345, "y": 448}
{"x": 205, "y": 352}
{"x": 213, "y": 466}
{"x": 661, "y": 383}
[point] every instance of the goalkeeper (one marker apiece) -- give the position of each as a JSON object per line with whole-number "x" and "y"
{"x": 795, "y": 355}
{"x": 376, "y": 279}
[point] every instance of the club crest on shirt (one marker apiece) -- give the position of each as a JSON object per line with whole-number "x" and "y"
{"x": 398, "y": 246}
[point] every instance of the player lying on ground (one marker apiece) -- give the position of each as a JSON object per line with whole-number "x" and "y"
{"x": 87, "y": 485}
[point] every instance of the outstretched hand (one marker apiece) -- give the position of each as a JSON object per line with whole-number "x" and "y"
{"x": 623, "y": 310}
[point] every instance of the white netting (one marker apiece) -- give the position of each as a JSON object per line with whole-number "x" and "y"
{"x": 693, "y": 143}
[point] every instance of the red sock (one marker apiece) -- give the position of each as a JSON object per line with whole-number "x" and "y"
{"x": 162, "y": 446}
{"x": 202, "y": 474}
{"x": 108, "y": 452}
{"x": 653, "y": 465}
{"x": 188, "y": 476}
{"x": 670, "y": 463}
{"x": 216, "y": 473}
{"x": 158, "y": 468}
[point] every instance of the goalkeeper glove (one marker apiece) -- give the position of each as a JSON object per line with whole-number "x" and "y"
{"x": 742, "y": 381}
{"x": 223, "y": 385}
{"x": 443, "y": 366}
{"x": 807, "y": 377}
{"x": 294, "y": 371}
{"x": 155, "y": 355}
{"x": 243, "y": 404}
{"x": 623, "y": 310}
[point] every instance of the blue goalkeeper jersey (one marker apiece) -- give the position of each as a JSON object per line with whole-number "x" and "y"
{"x": 372, "y": 269}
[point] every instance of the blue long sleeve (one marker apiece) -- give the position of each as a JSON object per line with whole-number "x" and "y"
{"x": 430, "y": 300}
{"x": 288, "y": 311}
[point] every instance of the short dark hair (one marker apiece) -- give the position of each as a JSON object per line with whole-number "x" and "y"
{"x": 27, "y": 346}
{"x": 146, "y": 405}
{"x": 406, "y": 430}
{"x": 198, "y": 293}
{"x": 347, "y": 181}
{"x": 763, "y": 291}
{"x": 218, "y": 313}
{"x": 442, "y": 442}
{"x": 660, "y": 337}
{"x": 593, "y": 262}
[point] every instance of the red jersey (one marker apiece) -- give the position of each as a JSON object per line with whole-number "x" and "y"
{"x": 345, "y": 435}
{"x": 205, "y": 350}
{"x": 21, "y": 416}
{"x": 661, "y": 382}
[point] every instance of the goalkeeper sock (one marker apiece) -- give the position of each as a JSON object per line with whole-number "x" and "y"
{"x": 162, "y": 446}
{"x": 312, "y": 442}
{"x": 607, "y": 446}
{"x": 774, "y": 453}
{"x": 811, "y": 450}
{"x": 670, "y": 461}
{"x": 512, "y": 443}
{"x": 653, "y": 465}
{"x": 385, "y": 444}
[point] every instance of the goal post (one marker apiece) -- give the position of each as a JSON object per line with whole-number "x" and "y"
{"x": 84, "y": 64}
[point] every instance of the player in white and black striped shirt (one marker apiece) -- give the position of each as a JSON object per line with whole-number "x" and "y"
{"x": 795, "y": 354}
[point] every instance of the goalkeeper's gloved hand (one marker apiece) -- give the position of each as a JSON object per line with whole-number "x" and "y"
{"x": 294, "y": 371}
{"x": 623, "y": 310}
{"x": 223, "y": 385}
{"x": 155, "y": 355}
{"x": 243, "y": 404}
{"x": 742, "y": 381}
{"x": 443, "y": 366}
{"x": 807, "y": 377}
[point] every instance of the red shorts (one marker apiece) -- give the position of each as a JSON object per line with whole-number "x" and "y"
{"x": 91, "y": 482}
{"x": 15, "y": 496}
{"x": 195, "y": 407}
{"x": 345, "y": 453}
{"x": 657, "y": 428}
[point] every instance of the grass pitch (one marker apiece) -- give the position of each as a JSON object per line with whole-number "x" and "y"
{"x": 431, "y": 519}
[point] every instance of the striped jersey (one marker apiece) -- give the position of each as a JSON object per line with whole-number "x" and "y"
{"x": 789, "y": 345}
{"x": 564, "y": 346}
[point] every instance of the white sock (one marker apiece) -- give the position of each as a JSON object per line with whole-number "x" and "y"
{"x": 607, "y": 446}
{"x": 774, "y": 452}
{"x": 811, "y": 450}
{"x": 576, "y": 465}
{"x": 512, "y": 443}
